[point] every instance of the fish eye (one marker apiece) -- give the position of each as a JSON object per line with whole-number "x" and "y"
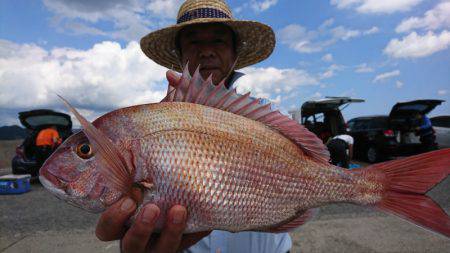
{"x": 84, "y": 150}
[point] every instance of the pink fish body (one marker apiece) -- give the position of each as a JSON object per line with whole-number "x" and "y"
{"x": 235, "y": 165}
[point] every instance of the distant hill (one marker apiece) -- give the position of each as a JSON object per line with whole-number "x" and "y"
{"x": 12, "y": 133}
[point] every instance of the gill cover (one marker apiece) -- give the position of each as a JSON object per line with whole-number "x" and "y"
{"x": 114, "y": 168}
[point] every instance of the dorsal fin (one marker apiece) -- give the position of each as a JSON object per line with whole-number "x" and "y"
{"x": 194, "y": 89}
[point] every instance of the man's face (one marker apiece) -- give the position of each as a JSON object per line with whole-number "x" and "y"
{"x": 210, "y": 46}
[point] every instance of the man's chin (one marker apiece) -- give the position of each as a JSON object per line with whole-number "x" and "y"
{"x": 216, "y": 75}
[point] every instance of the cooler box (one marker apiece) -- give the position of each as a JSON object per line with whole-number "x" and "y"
{"x": 354, "y": 166}
{"x": 14, "y": 184}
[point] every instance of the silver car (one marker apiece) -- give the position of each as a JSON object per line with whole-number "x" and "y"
{"x": 441, "y": 126}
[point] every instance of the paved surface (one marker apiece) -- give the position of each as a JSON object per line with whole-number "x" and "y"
{"x": 38, "y": 222}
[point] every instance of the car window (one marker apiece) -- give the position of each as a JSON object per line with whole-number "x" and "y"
{"x": 351, "y": 124}
{"x": 360, "y": 125}
{"x": 47, "y": 120}
{"x": 413, "y": 107}
{"x": 378, "y": 123}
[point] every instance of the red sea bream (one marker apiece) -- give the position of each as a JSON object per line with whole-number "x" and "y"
{"x": 235, "y": 164}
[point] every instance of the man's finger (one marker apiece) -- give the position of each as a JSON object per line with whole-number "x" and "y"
{"x": 173, "y": 78}
{"x": 137, "y": 237}
{"x": 111, "y": 224}
{"x": 170, "y": 238}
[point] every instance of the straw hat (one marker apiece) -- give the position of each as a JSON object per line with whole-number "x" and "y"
{"x": 255, "y": 41}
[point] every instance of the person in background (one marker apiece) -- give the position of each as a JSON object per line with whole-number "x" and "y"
{"x": 47, "y": 140}
{"x": 426, "y": 132}
{"x": 341, "y": 150}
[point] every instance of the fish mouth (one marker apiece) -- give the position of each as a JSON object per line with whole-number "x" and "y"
{"x": 53, "y": 184}
{"x": 51, "y": 187}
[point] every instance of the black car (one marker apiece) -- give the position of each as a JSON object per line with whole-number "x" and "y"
{"x": 24, "y": 162}
{"x": 323, "y": 117}
{"x": 374, "y": 140}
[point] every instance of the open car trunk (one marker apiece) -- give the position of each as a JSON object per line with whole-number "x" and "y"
{"x": 36, "y": 120}
{"x": 403, "y": 121}
{"x": 324, "y": 118}
{"x": 402, "y": 116}
{"x": 327, "y": 104}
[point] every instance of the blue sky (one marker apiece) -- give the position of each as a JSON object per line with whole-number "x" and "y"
{"x": 383, "y": 51}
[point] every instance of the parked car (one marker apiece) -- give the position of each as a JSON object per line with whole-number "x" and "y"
{"x": 25, "y": 162}
{"x": 441, "y": 126}
{"x": 374, "y": 140}
{"x": 324, "y": 117}
{"x": 403, "y": 121}
{"x": 379, "y": 137}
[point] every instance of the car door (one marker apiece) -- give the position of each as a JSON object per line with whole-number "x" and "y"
{"x": 372, "y": 131}
{"x": 358, "y": 132}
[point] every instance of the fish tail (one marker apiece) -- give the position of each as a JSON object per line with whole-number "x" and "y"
{"x": 405, "y": 183}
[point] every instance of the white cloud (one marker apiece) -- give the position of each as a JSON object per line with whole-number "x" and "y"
{"x": 363, "y": 68}
{"x": 376, "y": 6}
{"x": 77, "y": 28}
{"x": 255, "y": 5}
{"x": 387, "y": 75}
{"x": 101, "y": 78}
{"x": 436, "y": 18}
{"x": 442, "y": 92}
{"x": 343, "y": 33}
{"x": 316, "y": 95}
{"x": 327, "y": 74}
{"x": 164, "y": 8}
{"x": 299, "y": 39}
{"x": 331, "y": 71}
{"x": 372, "y": 30}
{"x": 327, "y": 23}
{"x": 341, "y": 4}
{"x": 415, "y": 46}
{"x": 348, "y": 93}
{"x": 260, "y": 6}
{"x": 303, "y": 40}
{"x": 399, "y": 84}
{"x": 265, "y": 82}
{"x": 327, "y": 58}
{"x": 130, "y": 19}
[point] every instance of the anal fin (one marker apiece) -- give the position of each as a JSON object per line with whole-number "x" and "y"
{"x": 301, "y": 219}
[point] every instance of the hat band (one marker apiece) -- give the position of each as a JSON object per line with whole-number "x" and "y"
{"x": 202, "y": 13}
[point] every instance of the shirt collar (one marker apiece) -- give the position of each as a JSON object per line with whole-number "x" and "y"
{"x": 234, "y": 78}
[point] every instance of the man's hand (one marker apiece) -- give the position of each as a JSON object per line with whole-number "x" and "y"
{"x": 139, "y": 237}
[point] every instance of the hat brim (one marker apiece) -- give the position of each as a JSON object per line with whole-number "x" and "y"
{"x": 255, "y": 42}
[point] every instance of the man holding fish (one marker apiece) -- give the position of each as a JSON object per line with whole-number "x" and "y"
{"x": 205, "y": 36}
{"x": 206, "y": 158}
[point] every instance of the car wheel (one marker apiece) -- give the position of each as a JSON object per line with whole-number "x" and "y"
{"x": 372, "y": 154}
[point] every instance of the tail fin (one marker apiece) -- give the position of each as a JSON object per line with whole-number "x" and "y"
{"x": 407, "y": 181}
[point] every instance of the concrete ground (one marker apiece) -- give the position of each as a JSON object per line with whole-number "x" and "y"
{"x": 38, "y": 222}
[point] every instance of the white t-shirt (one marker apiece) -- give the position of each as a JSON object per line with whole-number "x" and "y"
{"x": 347, "y": 138}
{"x": 243, "y": 242}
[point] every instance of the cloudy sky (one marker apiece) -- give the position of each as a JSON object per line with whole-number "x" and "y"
{"x": 384, "y": 51}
